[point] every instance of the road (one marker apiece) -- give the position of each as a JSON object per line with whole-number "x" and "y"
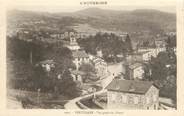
{"x": 72, "y": 103}
{"x": 114, "y": 70}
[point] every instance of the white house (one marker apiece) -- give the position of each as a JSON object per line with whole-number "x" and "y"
{"x": 77, "y": 75}
{"x": 134, "y": 71}
{"x": 47, "y": 65}
{"x": 152, "y": 51}
{"x": 73, "y": 45}
{"x": 100, "y": 66}
{"x": 80, "y": 57}
{"x": 99, "y": 53}
{"x": 160, "y": 45}
{"x": 141, "y": 56}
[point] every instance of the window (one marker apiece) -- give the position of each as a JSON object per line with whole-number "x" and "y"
{"x": 113, "y": 97}
{"x": 155, "y": 107}
{"x": 124, "y": 98}
{"x": 147, "y": 100}
{"x": 131, "y": 100}
{"x": 52, "y": 65}
{"x": 154, "y": 98}
{"x": 136, "y": 100}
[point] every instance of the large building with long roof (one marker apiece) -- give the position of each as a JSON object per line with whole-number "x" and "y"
{"x": 131, "y": 94}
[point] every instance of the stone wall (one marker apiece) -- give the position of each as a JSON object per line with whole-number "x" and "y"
{"x": 115, "y": 100}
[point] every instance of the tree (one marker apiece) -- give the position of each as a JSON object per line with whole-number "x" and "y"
{"x": 18, "y": 58}
{"x": 128, "y": 43}
{"x": 164, "y": 74}
{"x": 158, "y": 66}
{"x": 27, "y": 51}
{"x": 171, "y": 42}
{"x": 147, "y": 72}
{"x": 66, "y": 85}
{"x": 110, "y": 44}
{"x": 89, "y": 71}
{"x": 62, "y": 58}
{"x": 33, "y": 76}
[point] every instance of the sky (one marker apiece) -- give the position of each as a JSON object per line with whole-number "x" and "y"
{"x": 74, "y": 5}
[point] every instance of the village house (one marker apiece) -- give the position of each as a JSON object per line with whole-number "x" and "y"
{"x": 123, "y": 36}
{"x": 77, "y": 75}
{"x": 154, "y": 48}
{"x": 73, "y": 45}
{"x": 47, "y": 65}
{"x": 134, "y": 71}
{"x": 152, "y": 51}
{"x": 100, "y": 66}
{"x": 66, "y": 34}
{"x": 160, "y": 45}
{"x": 83, "y": 34}
{"x": 88, "y": 88}
{"x": 141, "y": 56}
{"x": 171, "y": 33}
{"x": 147, "y": 46}
{"x": 80, "y": 57}
{"x": 99, "y": 53}
{"x": 57, "y": 35}
{"x": 131, "y": 94}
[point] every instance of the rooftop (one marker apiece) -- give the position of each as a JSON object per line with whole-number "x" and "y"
{"x": 140, "y": 52}
{"x": 77, "y": 72}
{"x": 47, "y": 62}
{"x": 79, "y": 54}
{"x": 97, "y": 60}
{"x": 135, "y": 65}
{"x": 129, "y": 86}
{"x": 161, "y": 38}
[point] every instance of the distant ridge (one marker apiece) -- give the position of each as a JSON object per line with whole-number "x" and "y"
{"x": 136, "y": 20}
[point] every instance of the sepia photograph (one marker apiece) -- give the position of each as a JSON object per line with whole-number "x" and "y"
{"x": 93, "y": 55}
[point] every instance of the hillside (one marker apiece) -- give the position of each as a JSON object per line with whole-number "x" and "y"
{"x": 129, "y": 21}
{"x": 137, "y": 20}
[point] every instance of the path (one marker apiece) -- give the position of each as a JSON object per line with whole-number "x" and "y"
{"x": 114, "y": 70}
{"x": 72, "y": 103}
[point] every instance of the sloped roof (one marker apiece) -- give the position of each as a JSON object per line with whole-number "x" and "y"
{"x": 47, "y": 62}
{"x": 129, "y": 86}
{"x": 140, "y": 52}
{"x": 79, "y": 54}
{"x": 135, "y": 65}
{"x": 77, "y": 72}
{"x": 97, "y": 60}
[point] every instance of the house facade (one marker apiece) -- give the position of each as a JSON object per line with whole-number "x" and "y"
{"x": 47, "y": 65}
{"x": 100, "y": 66}
{"x": 73, "y": 45}
{"x": 160, "y": 45}
{"x": 152, "y": 51}
{"x": 133, "y": 95}
{"x": 141, "y": 56}
{"x": 77, "y": 75}
{"x": 80, "y": 57}
{"x": 99, "y": 53}
{"x": 57, "y": 35}
{"x": 134, "y": 71}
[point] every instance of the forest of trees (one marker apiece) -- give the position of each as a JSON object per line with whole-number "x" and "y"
{"x": 163, "y": 70}
{"x": 110, "y": 44}
{"x": 89, "y": 72}
{"x": 22, "y": 57}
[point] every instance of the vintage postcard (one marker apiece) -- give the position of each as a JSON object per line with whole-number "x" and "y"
{"x": 96, "y": 57}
